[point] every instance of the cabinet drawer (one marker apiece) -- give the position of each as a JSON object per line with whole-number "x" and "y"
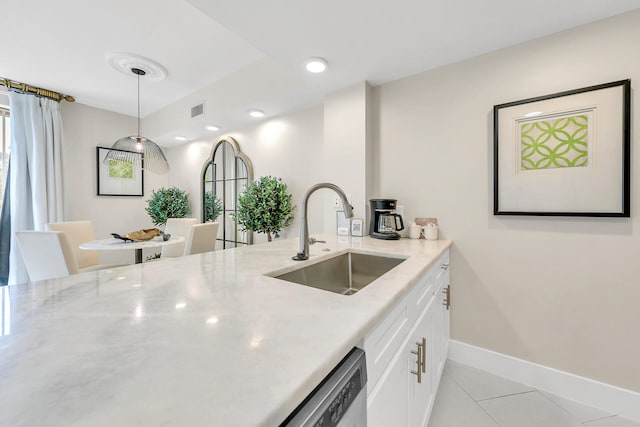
{"x": 441, "y": 268}
{"x": 422, "y": 293}
{"x": 383, "y": 341}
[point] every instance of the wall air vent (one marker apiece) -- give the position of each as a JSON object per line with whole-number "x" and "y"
{"x": 197, "y": 110}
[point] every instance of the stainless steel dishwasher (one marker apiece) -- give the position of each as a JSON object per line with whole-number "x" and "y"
{"x": 339, "y": 401}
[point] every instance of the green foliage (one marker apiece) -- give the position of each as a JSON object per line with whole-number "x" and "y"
{"x": 265, "y": 207}
{"x": 212, "y": 206}
{"x": 168, "y": 203}
{"x": 152, "y": 257}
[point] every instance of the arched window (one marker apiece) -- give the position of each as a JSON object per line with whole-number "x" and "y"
{"x": 225, "y": 175}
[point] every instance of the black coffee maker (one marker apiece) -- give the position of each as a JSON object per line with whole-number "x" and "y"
{"x": 385, "y": 223}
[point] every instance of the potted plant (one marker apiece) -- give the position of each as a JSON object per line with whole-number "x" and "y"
{"x": 212, "y": 206}
{"x": 168, "y": 203}
{"x": 265, "y": 207}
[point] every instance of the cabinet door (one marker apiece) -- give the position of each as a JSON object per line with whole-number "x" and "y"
{"x": 387, "y": 403}
{"x": 445, "y": 309}
{"x": 398, "y": 399}
{"x": 422, "y": 394}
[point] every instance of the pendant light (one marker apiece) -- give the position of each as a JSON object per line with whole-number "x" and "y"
{"x": 127, "y": 148}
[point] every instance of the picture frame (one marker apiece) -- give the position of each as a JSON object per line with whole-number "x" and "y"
{"x": 119, "y": 178}
{"x": 564, "y": 154}
{"x": 357, "y": 227}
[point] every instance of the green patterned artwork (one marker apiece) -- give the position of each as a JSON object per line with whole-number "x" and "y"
{"x": 120, "y": 169}
{"x": 554, "y": 143}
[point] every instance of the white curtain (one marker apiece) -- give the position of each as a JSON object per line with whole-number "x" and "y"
{"x": 36, "y": 170}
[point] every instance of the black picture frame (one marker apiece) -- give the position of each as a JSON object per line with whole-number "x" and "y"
{"x": 564, "y": 154}
{"x": 114, "y": 181}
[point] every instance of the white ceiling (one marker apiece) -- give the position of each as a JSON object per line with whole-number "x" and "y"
{"x": 61, "y": 45}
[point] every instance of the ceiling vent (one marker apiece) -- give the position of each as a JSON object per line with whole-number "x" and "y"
{"x": 197, "y": 110}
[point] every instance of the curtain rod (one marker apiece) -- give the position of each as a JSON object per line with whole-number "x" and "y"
{"x": 36, "y": 90}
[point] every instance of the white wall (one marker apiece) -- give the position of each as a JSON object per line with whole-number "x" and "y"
{"x": 346, "y": 141}
{"x": 561, "y": 292}
{"x": 86, "y": 128}
{"x": 289, "y": 147}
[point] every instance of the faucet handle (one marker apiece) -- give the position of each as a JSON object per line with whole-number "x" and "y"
{"x": 313, "y": 240}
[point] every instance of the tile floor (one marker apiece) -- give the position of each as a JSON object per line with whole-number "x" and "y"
{"x": 469, "y": 397}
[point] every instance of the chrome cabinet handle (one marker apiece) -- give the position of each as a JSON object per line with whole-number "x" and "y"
{"x": 447, "y": 297}
{"x": 445, "y": 267}
{"x": 419, "y": 369}
{"x": 424, "y": 355}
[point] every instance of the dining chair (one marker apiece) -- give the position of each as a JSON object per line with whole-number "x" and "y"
{"x": 46, "y": 254}
{"x": 177, "y": 227}
{"x": 80, "y": 232}
{"x": 201, "y": 238}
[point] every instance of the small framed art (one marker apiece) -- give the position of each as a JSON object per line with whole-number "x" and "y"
{"x": 564, "y": 154}
{"x": 118, "y": 177}
{"x": 357, "y": 227}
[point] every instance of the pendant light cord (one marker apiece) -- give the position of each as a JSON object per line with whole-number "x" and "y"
{"x": 138, "y": 75}
{"x": 138, "y": 72}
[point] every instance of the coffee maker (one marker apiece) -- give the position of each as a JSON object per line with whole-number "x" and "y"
{"x": 385, "y": 223}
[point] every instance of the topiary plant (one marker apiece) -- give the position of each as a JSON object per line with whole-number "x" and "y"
{"x": 265, "y": 207}
{"x": 212, "y": 206}
{"x": 168, "y": 203}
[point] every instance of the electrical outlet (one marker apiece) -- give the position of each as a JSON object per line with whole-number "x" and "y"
{"x": 337, "y": 202}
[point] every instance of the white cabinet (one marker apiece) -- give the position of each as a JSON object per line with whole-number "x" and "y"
{"x": 442, "y": 283}
{"x": 406, "y": 352}
{"x": 422, "y": 393}
{"x": 388, "y": 403}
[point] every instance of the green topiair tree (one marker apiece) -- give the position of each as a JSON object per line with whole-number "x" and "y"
{"x": 265, "y": 207}
{"x": 168, "y": 203}
{"x": 212, "y": 206}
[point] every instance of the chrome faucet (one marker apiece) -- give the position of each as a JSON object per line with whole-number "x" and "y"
{"x": 304, "y": 226}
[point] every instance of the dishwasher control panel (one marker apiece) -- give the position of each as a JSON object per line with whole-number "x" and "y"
{"x": 345, "y": 397}
{"x": 340, "y": 400}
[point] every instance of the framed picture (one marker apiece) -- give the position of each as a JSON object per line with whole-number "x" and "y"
{"x": 357, "y": 227}
{"x": 565, "y": 154}
{"x": 118, "y": 177}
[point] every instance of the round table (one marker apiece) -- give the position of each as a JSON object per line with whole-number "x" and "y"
{"x": 114, "y": 244}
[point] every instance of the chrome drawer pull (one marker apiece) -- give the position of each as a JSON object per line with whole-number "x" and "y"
{"x": 447, "y": 297}
{"x": 419, "y": 369}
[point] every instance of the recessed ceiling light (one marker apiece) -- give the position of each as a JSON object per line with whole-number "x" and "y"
{"x": 213, "y": 128}
{"x": 316, "y": 65}
{"x": 181, "y": 138}
{"x": 256, "y": 113}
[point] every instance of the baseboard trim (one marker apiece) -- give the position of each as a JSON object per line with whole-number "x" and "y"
{"x": 616, "y": 400}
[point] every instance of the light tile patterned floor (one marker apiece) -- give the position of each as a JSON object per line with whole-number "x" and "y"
{"x": 469, "y": 397}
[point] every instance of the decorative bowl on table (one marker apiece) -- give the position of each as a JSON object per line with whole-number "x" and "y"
{"x": 143, "y": 235}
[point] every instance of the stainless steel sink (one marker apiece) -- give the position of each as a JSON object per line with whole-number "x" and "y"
{"x": 344, "y": 274}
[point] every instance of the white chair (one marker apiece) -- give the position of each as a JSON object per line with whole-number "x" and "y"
{"x": 46, "y": 254}
{"x": 80, "y": 232}
{"x": 201, "y": 238}
{"x": 177, "y": 227}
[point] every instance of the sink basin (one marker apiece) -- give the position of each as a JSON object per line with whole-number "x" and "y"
{"x": 344, "y": 274}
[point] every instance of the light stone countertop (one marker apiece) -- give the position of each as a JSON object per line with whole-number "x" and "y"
{"x": 201, "y": 340}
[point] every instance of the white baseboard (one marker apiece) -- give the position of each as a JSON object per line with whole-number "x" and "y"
{"x": 616, "y": 400}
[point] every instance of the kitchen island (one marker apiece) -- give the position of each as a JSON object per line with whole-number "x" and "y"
{"x": 201, "y": 340}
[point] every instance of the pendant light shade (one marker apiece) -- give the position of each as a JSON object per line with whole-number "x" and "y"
{"x": 127, "y": 148}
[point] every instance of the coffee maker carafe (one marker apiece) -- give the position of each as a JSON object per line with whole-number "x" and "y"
{"x": 385, "y": 223}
